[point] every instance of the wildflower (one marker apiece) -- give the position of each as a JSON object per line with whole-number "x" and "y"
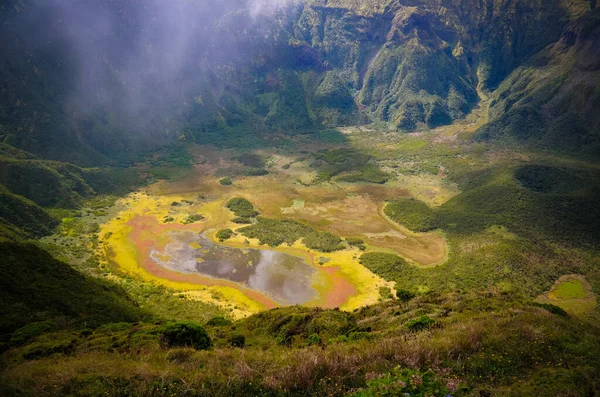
{"x": 416, "y": 380}
{"x": 452, "y": 385}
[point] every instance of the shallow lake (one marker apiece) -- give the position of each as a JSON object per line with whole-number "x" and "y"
{"x": 283, "y": 277}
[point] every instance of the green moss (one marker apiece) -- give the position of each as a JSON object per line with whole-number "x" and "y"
{"x": 571, "y": 289}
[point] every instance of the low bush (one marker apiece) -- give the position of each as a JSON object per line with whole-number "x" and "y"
{"x": 193, "y": 218}
{"x": 275, "y": 232}
{"x": 388, "y": 266}
{"x": 241, "y": 207}
{"x": 237, "y": 340}
{"x": 409, "y": 382}
{"x": 240, "y": 220}
{"x": 420, "y": 324}
{"x": 404, "y": 295}
{"x": 185, "y": 334}
{"x": 224, "y": 234}
{"x": 226, "y": 181}
{"x": 30, "y": 331}
{"x": 218, "y": 321}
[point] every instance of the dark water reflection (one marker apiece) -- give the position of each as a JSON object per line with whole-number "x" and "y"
{"x": 285, "y": 278}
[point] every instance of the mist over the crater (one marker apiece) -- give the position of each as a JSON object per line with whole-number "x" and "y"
{"x": 138, "y": 65}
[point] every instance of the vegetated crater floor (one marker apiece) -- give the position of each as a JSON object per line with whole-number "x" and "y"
{"x": 573, "y": 293}
{"x": 151, "y": 238}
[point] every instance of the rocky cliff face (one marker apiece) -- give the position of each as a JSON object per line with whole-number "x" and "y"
{"x": 555, "y": 96}
{"x": 413, "y": 64}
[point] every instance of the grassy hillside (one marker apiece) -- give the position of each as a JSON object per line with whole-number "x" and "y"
{"x": 460, "y": 344}
{"x": 37, "y": 287}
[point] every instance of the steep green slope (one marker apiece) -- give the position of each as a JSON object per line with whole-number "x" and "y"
{"x": 553, "y": 100}
{"x": 35, "y": 287}
{"x": 410, "y": 64}
{"x": 20, "y": 217}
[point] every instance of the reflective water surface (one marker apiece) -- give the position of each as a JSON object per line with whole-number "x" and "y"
{"x": 283, "y": 277}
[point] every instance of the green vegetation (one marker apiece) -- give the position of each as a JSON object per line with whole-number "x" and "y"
{"x": 242, "y": 220}
{"x": 242, "y": 207}
{"x": 552, "y": 308}
{"x": 35, "y": 287}
{"x": 185, "y": 334}
{"x": 481, "y": 342}
{"x": 30, "y": 331}
{"x": 275, "y": 232}
{"x": 224, "y": 234}
{"x": 571, "y": 289}
{"x": 356, "y": 242}
{"x": 388, "y": 266}
{"x": 412, "y": 214}
{"x": 331, "y": 163}
{"x": 404, "y": 295}
{"x": 218, "y": 321}
{"x": 226, "y": 181}
{"x": 407, "y": 382}
{"x": 514, "y": 189}
{"x": 420, "y": 324}
{"x": 193, "y": 219}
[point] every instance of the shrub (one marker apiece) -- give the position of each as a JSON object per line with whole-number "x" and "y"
{"x": 224, "y": 234}
{"x": 255, "y": 172}
{"x": 30, "y": 331}
{"x": 359, "y": 335}
{"x": 186, "y": 334}
{"x": 388, "y": 266}
{"x": 250, "y": 160}
{"x": 407, "y": 382}
{"x": 354, "y": 241}
{"x": 237, "y": 340}
{"x": 385, "y": 293}
{"x": 241, "y": 207}
{"x": 218, "y": 321}
{"x": 242, "y": 220}
{"x": 404, "y": 295}
{"x": 323, "y": 241}
{"x": 193, "y": 218}
{"x": 275, "y": 232}
{"x": 226, "y": 181}
{"x": 413, "y": 214}
{"x": 419, "y": 324}
{"x": 314, "y": 339}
